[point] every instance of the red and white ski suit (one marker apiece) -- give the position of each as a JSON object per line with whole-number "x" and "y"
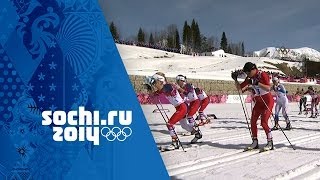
{"x": 264, "y": 103}
{"x": 204, "y": 99}
{"x": 191, "y": 98}
{"x": 170, "y": 91}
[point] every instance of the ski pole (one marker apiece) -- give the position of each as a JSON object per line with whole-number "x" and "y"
{"x": 163, "y": 109}
{"x": 167, "y": 115}
{"x": 174, "y": 131}
{"x": 245, "y": 113}
{"x": 278, "y": 124}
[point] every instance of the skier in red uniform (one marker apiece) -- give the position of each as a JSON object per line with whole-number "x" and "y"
{"x": 259, "y": 81}
{"x": 204, "y": 101}
{"x": 157, "y": 85}
{"x": 187, "y": 90}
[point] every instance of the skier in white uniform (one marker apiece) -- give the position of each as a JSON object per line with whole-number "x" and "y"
{"x": 281, "y": 103}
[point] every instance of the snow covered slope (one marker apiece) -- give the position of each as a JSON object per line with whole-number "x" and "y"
{"x": 136, "y": 52}
{"x": 146, "y": 61}
{"x": 294, "y": 54}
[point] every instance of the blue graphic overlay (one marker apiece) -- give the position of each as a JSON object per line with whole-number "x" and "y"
{"x": 58, "y": 57}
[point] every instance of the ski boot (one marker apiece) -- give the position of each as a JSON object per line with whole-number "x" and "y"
{"x": 197, "y": 134}
{"x": 276, "y": 123}
{"x": 288, "y": 127}
{"x": 268, "y": 147}
{"x": 312, "y": 116}
{"x": 276, "y": 127}
{"x": 254, "y": 145}
{"x": 174, "y": 145}
{"x": 203, "y": 119}
{"x": 300, "y": 113}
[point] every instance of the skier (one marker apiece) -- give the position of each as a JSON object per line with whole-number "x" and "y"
{"x": 157, "y": 85}
{"x": 259, "y": 81}
{"x": 281, "y": 103}
{"x": 188, "y": 91}
{"x": 314, "y": 101}
{"x": 302, "y": 101}
{"x": 204, "y": 101}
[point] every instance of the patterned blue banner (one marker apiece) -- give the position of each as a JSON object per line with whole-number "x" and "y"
{"x": 57, "y": 56}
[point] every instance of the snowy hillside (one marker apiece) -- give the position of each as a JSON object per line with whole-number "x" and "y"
{"x": 136, "y": 52}
{"x": 146, "y": 61}
{"x": 293, "y": 54}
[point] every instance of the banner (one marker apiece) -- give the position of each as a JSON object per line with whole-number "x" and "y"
{"x": 68, "y": 110}
{"x": 234, "y": 99}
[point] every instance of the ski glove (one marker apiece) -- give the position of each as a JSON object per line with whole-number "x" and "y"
{"x": 234, "y": 76}
{"x": 148, "y": 87}
{"x": 253, "y": 82}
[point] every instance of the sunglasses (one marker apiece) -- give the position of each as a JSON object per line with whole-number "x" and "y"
{"x": 152, "y": 81}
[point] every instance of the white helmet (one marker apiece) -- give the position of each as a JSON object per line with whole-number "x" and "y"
{"x": 181, "y": 78}
{"x": 158, "y": 77}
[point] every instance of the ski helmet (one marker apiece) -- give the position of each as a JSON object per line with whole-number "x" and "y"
{"x": 310, "y": 88}
{"x": 158, "y": 77}
{"x": 181, "y": 78}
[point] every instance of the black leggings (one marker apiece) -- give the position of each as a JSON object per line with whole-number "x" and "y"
{"x": 303, "y": 101}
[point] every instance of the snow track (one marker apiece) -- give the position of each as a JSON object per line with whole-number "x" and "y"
{"x": 220, "y": 154}
{"x": 205, "y": 164}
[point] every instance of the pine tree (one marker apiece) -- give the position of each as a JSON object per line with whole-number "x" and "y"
{"x": 193, "y": 34}
{"x": 151, "y": 40}
{"x": 187, "y": 36}
{"x": 242, "y": 49}
{"x": 114, "y": 32}
{"x": 185, "y": 33}
{"x": 197, "y": 38}
{"x": 141, "y": 38}
{"x": 224, "y": 42}
{"x": 177, "y": 40}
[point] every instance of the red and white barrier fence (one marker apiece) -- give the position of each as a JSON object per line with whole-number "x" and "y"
{"x": 214, "y": 99}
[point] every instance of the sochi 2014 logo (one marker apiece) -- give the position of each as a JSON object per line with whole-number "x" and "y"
{"x": 83, "y": 125}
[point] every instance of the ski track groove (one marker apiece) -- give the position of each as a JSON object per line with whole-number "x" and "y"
{"x": 212, "y": 131}
{"x": 204, "y": 164}
{"x": 309, "y": 170}
{"x": 219, "y": 132}
{"x": 217, "y": 140}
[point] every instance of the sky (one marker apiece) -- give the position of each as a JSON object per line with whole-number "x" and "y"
{"x": 260, "y": 24}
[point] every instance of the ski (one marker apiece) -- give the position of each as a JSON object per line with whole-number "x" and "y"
{"x": 250, "y": 150}
{"x": 166, "y": 148}
{"x": 186, "y": 134}
{"x": 212, "y": 116}
{"x": 263, "y": 150}
{"x": 197, "y": 142}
